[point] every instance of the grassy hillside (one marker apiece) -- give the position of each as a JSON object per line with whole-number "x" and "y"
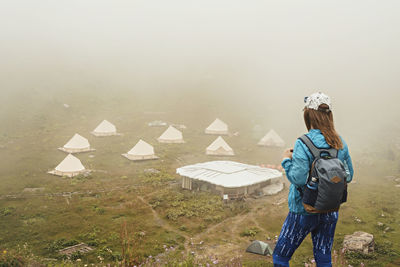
{"x": 120, "y": 204}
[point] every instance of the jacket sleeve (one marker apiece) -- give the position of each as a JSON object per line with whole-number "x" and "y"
{"x": 298, "y": 167}
{"x": 348, "y": 164}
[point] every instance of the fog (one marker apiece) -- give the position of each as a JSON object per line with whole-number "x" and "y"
{"x": 250, "y": 60}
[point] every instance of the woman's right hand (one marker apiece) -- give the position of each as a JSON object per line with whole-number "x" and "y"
{"x": 288, "y": 153}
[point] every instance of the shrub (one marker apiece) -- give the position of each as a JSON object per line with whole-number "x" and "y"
{"x": 251, "y": 232}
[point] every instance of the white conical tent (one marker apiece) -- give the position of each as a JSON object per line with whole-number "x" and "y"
{"x": 272, "y": 139}
{"x": 141, "y": 151}
{"x": 217, "y": 127}
{"x": 70, "y": 166}
{"x": 105, "y": 128}
{"x": 171, "y": 135}
{"x": 77, "y": 144}
{"x": 219, "y": 147}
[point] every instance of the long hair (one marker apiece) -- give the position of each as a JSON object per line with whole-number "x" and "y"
{"x": 322, "y": 119}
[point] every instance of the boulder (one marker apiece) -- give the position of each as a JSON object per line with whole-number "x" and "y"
{"x": 359, "y": 242}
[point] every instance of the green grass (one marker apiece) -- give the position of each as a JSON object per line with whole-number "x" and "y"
{"x": 108, "y": 198}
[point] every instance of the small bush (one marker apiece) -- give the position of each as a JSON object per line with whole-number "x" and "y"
{"x": 7, "y": 211}
{"x": 251, "y": 232}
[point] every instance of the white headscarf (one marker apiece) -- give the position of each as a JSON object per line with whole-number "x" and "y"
{"x": 315, "y": 100}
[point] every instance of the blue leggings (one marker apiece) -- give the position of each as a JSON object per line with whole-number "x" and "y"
{"x": 296, "y": 227}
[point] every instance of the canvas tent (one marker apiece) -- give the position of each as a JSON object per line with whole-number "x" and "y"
{"x": 171, "y": 135}
{"x": 219, "y": 148}
{"x": 227, "y": 178}
{"x": 141, "y": 151}
{"x": 77, "y": 144}
{"x": 217, "y": 127}
{"x": 70, "y": 166}
{"x": 105, "y": 128}
{"x": 271, "y": 139}
{"x": 259, "y": 247}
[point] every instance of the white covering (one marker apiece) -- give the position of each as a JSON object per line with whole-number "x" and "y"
{"x": 217, "y": 127}
{"x": 317, "y": 99}
{"x": 229, "y": 174}
{"x": 272, "y": 139}
{"x": 105, "y": 128}
{"x": 76, "y": 144}
{"x": 141, "y": 151}
{"x": 70, "y": 166}
{"x": 171, "y": 135}
{"x": 219, "y": 147}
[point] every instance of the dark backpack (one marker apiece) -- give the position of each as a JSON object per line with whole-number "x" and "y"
{"x": 326, "y": 186}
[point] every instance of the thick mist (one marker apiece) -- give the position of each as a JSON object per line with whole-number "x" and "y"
{"x": 249, "y": 60}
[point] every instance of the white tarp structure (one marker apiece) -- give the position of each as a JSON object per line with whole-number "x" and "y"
{"x": 227, "y": 177}
{"x": 70, "y": 166}
{"x": 105, "y": 128}
{"x": 141, "y": 151}
{"x": 217, "y": 127}
{"x": 219, "y": 148}
{"x": 77, "y": 144}
{"x": 171, "y": 135}
{"x": 271, "y": 139}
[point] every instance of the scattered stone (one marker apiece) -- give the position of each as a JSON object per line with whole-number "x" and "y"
{"x": 151, "y": 171}
{"x": 357, "y": 220}
{"x": 359, "y": 242}
{"x": 380, "y": 224}
{"x": 397, "y": 185}
{"x": 33, "y": 190}
{"x": 66, "y": 106}
{"x": 82, "y": 248}
{"x": 387, "y": 229}
{"x": 397, "y": 180}
{"x": 91, "y": 156}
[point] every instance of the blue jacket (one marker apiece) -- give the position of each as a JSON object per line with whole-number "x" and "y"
{"x": 298, "y": 167}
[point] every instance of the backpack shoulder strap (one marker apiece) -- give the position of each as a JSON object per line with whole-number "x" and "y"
{"x": 315, "y": 151}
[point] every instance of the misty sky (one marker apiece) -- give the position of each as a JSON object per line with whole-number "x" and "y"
{"x": 262, "y": 52}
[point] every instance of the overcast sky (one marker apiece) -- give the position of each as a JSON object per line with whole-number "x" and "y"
{"x": 256, "y": 51}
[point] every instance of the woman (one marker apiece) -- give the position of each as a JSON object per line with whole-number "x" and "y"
{"x": 296, "y": 162}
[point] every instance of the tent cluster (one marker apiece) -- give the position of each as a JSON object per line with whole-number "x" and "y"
{"x": 71, "y": 165}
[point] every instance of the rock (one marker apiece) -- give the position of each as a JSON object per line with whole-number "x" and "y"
{"x": 387, "y": 229}
{"x": 380, "y": 224}
{"x": 33, "y": 190}
{"x": 397, "y": 180}
{"x": 151, "y": 170}
{"x": 397, "y": 185}
{"x": 359, "y": 242}
{"x": 91, "y": 156}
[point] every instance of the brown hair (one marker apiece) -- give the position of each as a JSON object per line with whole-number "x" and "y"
{"x": 322, "y": 119}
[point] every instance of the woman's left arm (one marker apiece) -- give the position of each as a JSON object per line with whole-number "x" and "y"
{"x": 297, "y": 167}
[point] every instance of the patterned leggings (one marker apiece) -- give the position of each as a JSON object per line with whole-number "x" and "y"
{"x": 296, "y": 227}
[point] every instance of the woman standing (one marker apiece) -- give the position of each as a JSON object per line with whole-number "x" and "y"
{"x": 297, "y": 163}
